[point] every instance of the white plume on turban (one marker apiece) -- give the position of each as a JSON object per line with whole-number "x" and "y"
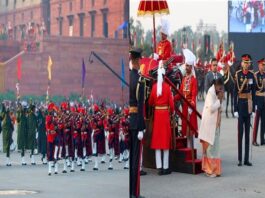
{"x": 160, "y": 73}
{"x": 165, "y": 26}
{"x": 190, "y": 59}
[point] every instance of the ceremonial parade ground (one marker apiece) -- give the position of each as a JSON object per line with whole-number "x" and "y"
{"x": 235, "y": 181}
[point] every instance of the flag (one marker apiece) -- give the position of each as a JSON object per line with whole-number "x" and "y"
{"x": 49, "y": 68}
{"x": 83, "y": 73}
{"x": 123, "y": 26}
{"x": 19, "y": 63}
{"x": 122, "y": 73}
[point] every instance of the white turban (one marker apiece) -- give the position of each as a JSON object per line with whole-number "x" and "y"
{"x": 165, "y": 27}
{"x": 190, "y": 59}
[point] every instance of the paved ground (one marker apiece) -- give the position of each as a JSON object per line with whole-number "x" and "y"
{"x": 244, "y": 182}
{"x": 241, "y": 182}
{"x": 104, "y": 183}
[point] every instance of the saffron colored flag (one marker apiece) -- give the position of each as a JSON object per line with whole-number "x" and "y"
{"x": 49, "y": 68}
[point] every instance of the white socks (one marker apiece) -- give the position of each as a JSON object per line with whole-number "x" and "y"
{"x": 73, "y": 166}
{"x": 165, "y": 159}
{"x": 55, "y": 152}
{"x": 66, "y": 150}
{"x": 60, "y": 152}
{"x": 32, "y": 160}
{"x": 159, "y": 160}
{"x": 56, "y": 168}
{"x": 23, "y": 161}
{"x": 49, "y": 167}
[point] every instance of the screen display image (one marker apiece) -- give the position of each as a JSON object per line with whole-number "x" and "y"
{"x": 246, "y": 16}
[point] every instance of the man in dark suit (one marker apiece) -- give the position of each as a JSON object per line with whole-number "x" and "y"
{"x": 137, "y": 122}
{"x": 211, "y": 75}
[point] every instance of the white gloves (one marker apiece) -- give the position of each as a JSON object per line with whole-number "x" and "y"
{"x": 156, "y": 56}
{"x": 37, "y": 135}
{"x": 256, "y": 107}
{"x": 189, "y": 111}
{"x": 106, "y": 134}
{"x": 230, "y": 63}
{"x": 236, "y": 114}
{"x": 253, "y": 114}
{"x": 140, "y": 135}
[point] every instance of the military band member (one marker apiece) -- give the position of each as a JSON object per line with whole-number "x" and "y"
{"x": 22, "y": 136}
{"x": 42, "y": 139}
{"x": 137, "y": 122}
{"x": 32, "y": 130}
{"x": 51, "y": 134}
{"x": 244, "y": 93}
{"x": 260, "y": 103}
{"x": 7, "y": 128}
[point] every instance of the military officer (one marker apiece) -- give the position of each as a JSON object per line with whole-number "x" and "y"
{"x": 260, "y": 103}
{"x": 244, "y": 93}
{"x": 137, "y": 123}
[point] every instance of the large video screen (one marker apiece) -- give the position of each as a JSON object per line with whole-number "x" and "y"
{"x": 246, "y": 16}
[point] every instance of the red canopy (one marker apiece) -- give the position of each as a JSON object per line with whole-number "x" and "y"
{"x": 152, "y": 7}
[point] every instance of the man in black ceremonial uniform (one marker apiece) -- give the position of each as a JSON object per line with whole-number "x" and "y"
{"x": 137, "y": 122}
{"x": 260, "y": 103}
{"x": 244, "y": 105}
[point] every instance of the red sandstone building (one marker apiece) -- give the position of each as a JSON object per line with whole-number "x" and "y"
{"x": 77, "y": 18}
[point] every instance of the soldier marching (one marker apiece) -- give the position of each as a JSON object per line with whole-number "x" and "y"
{"x": 69, "y": 134}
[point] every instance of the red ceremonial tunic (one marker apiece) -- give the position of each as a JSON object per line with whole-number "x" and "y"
{"x": 188, "y": 89}
{"x": 164, "y": 50}
{"x": 161, "y": 135}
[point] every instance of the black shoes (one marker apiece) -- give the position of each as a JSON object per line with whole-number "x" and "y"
{"x": 160, "y": 171}
{"x": 247, "y": 163}
{"x": 166, "y": 171}
{"x": 142, "y": 173}
{"x": 255, "y": 144}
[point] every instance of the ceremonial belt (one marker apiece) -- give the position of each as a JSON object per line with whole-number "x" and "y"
{"x": 245, "y": 96}
{"x": 260, "y": 94}
{"x": 161, "y": 107}
{"x": 133, "y": 109}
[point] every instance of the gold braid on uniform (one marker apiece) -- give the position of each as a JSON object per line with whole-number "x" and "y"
{"x": 228, "y": 77}
{"x": 257, "y": 82}
{"x": 240, "y": 89}
{"x": 141, "y": 80}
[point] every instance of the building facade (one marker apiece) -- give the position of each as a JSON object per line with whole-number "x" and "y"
{"x": 77, "y": 18}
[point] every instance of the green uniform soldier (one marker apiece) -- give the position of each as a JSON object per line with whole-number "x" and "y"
{"x": 22, "y": 134}
{"x": 7, "y": 128}
{"x": 42, "y": 138}
{"x": 32, "y": 128}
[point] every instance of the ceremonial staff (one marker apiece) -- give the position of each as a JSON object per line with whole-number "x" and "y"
{"x": 49, "y": 68}
{"x": 107, "y": 66}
